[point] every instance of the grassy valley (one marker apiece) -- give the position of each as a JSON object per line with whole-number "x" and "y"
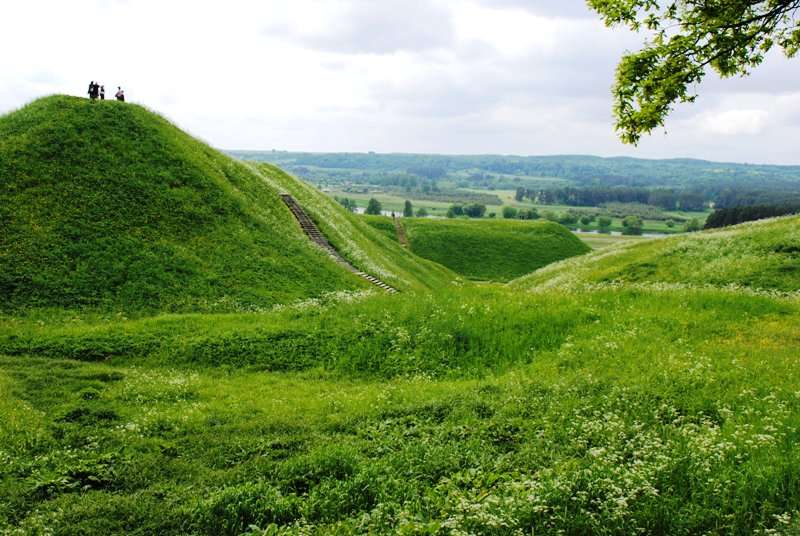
{"x": 176, "y": 358}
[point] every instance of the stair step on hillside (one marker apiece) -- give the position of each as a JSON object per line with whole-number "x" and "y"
{"x": 315, "y": 235}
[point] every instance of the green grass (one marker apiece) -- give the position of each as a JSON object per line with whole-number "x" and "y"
{"x": 762, "y": 255}
{"x": 491, "y": 250}
{"x": 650, "y": 387}
{"x": 384, "y": 224}
{"x": 107, "y": 206}
{"x": 356, "y": 338}
{"x": 363, "y": 245}
{"x": 602, "y": 240}
{"x": 644, "y": 411}
{"x": 649, "y": 225}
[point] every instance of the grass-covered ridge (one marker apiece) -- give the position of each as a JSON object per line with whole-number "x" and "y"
{"x": 369, "y": 249}
{"x": 491, "y": 250}
{"x": 108, "y": 206}
{"x": 763, "y": 255}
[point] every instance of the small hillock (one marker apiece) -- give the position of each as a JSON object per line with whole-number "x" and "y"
{"x": 490, "y": 250}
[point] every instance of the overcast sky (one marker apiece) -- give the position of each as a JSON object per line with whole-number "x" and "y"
{"x": 525, "y": 77}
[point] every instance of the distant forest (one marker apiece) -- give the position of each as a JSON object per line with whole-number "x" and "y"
{"x": 682, "y": 184}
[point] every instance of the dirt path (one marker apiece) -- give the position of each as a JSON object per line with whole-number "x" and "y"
{"x": 401, "y": 233}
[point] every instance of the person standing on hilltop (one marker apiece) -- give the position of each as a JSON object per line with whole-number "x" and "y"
{"x": 102, "y": 92}
{"x": 92, "y": 94}
{"x": 120, "y": 95}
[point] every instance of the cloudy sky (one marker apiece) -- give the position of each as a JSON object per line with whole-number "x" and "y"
{"x": 526, "y": 77}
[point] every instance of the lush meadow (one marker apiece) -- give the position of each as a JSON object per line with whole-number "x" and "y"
{"x": 176, "y": 358}
{"x": 757, "y": 255}
{"x": 487, "y": 411}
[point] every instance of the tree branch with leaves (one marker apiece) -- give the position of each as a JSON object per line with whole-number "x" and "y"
{"x": 689, "y": 37}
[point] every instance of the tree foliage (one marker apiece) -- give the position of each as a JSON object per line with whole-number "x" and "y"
{"x": 632, "y": 225}
{"x": 408, "y": 209}
{"x": 693, "y": 225}
{"x": 374, "y": 207}
{"x": 475, "y": 210}
{"x": 346, "y": 202}
{"x": 509, "y": 212}
{"x": 731, "y": 216}
{"x": 687, "y": 37}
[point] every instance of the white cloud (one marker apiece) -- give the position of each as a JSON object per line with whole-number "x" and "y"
{"x": 734, "y": 122}
{"x": 460, "y": 76}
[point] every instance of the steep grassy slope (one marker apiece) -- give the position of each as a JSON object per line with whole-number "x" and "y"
{"x": 491, "y": 250}
{"x": 110, "y": 207}
{"x": 368, "y": 248}
{"x": 759, "y": 255}
{"x": 384, "y": 224}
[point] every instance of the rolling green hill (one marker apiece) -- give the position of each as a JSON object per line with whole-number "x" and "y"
{"x": 488, "y": 250}
{"x": 108, "y": 206}
{"x": 761, "y": 255}
{"x": 650, "y": 401}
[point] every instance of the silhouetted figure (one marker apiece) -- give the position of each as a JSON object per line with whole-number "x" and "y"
{"x": 120, "y": 95}
{"x": 102, "y": 92}
{"x": 92, "y": 90}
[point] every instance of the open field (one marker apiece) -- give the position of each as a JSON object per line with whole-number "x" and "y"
{"x": 193, "y": 366}
{"x": 598, "y": 241}
{"x": 486, "y": 412}
{"x": 394, "y": 203}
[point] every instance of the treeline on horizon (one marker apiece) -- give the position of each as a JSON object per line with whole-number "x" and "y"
{"x": 621, "y": 171}
{"x": 599, "y": 196}
{"x": 683, "y": 184}
{"x": 725, "y": 217}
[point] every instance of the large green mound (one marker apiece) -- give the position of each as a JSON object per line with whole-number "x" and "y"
{"x": 763, "y": 255}
{"x": 108, "y": 206}
{"x": 490, "y": 250}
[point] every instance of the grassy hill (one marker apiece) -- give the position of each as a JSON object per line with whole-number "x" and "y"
{"x": 373, "y": 251}
{"x": 485, "y": 249}
{"x": 108, "y": 206}
{"x": 759, "y": 255}
{"x": 634, "y": 406}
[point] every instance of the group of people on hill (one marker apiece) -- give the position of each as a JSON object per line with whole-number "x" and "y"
{"x": 97, "y": 91}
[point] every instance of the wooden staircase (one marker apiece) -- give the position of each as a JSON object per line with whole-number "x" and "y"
{"x": 316, "y": 236}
